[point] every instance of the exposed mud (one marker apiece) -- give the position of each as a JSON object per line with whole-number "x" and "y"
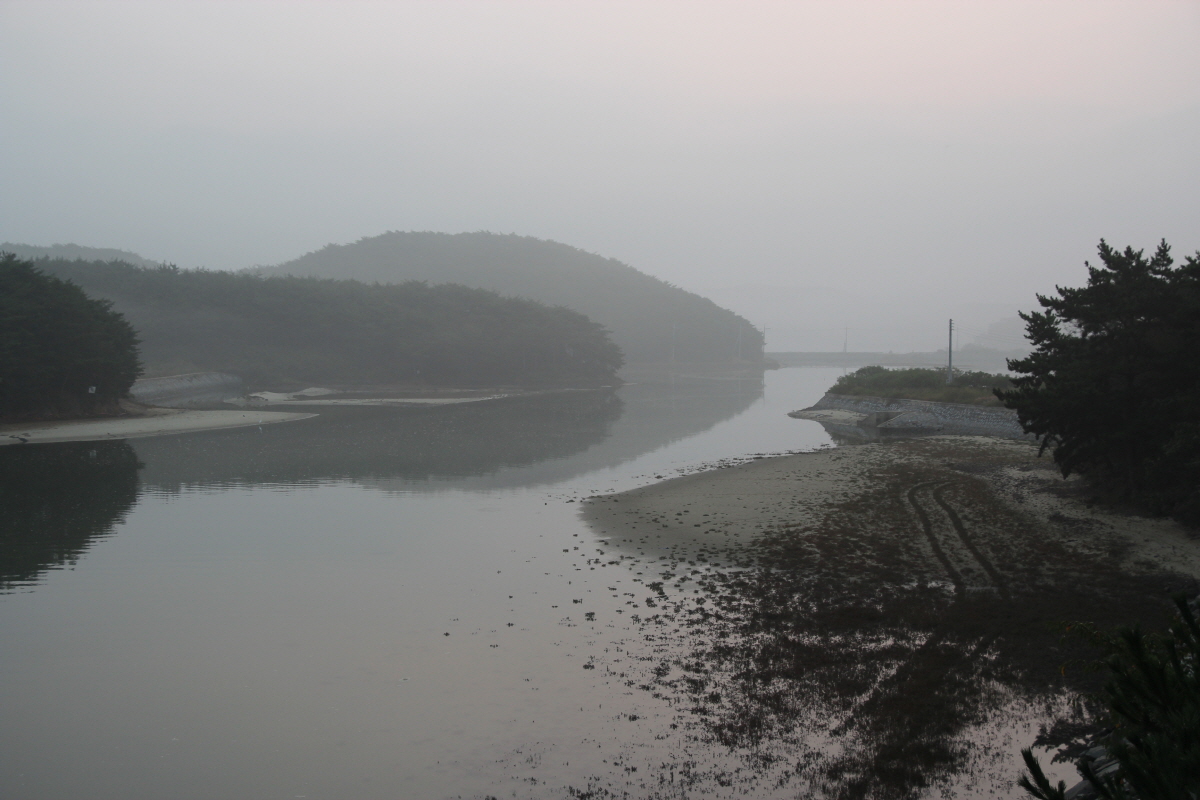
{"x": 881, "y": 621}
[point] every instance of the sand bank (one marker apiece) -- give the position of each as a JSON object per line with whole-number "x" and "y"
{"x": 286, "y": 402}
{"x": 154, "y": 422}
{"x": 318, "y": 396}
{"x": 995, "y": 478}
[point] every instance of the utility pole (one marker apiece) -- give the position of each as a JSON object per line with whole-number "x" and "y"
{"x": 845, "y": 340}
{"x": 950, "y": 355}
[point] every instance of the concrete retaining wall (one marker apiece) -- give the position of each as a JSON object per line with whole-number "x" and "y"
{"x": 186, "y": 390}
{"x": 925, "y": 414}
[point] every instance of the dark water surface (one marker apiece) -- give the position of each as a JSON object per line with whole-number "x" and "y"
{"x": 264, "y": 613}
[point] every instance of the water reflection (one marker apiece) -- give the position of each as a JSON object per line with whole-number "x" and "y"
{"x": 277, "y": 639}
{"x": 520, "y": 441}
{"x": 57, "y": 500}
{"x": 364, "y": 443}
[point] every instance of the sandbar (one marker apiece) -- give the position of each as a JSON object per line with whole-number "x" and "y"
{"x": 154, "y": 422}
{"x": 284, "y": 401}
{"x": 1007, "y": 494}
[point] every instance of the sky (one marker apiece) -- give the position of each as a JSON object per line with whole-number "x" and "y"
{"x": 841, "y": 173}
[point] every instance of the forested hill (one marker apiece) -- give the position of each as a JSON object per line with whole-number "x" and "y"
{"x": 650, "y": 319}
{"x": 280, "y": 331}
{"x": 75, "y": 251}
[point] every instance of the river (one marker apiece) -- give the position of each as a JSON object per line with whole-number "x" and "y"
{"x": 374, "y": 603}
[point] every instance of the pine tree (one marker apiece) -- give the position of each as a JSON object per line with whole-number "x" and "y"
{"x": 1113, "y": 384}
{"x": 61, "y": 352}
{"x": 1153, "y": 705}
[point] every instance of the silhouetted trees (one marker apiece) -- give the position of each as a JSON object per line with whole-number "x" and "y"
{"x": 1113, "y": 384}
{"x": 61, "y": 352}
{"x": 288, "y": 330}
{"x": 59, "y": 499}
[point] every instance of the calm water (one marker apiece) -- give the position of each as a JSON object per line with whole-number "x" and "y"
{"x": 264, "y": 613}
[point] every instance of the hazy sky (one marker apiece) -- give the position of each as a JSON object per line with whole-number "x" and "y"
{"x": 816, "y": 166}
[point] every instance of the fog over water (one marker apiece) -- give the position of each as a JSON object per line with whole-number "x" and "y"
{"x": 836, "y": 172}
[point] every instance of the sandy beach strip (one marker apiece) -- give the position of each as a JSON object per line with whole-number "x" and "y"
{"x": 157, "y": 422}
{"x": 1007, "y": 494}
{"x": 733, "y": 504}
{"x": 284, "y": 401}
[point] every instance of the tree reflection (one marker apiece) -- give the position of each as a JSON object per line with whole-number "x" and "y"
{"x": 517, "y": 441}
{"x": 370, "y": 443}
{"x": 58, "y": 499}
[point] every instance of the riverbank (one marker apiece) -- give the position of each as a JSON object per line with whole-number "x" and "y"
{"x": 858, "y": 417}
{"x": 380, "y": 396}
{"x": 890, "y": 616}
{"x": 146, "y": 422}
{"x": 742, "y": 503}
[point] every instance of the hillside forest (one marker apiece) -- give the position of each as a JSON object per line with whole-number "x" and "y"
{"x": 651, "y": 320}
{"x": 292, "y": 331}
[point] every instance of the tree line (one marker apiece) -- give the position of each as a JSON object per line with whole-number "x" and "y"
{"x": 276, "y": 332}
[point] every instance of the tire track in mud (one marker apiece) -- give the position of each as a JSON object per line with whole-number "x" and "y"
{"x": 931, "y": 537}
{"x": 961, "y": 536}
{"x": 968, "y": 540}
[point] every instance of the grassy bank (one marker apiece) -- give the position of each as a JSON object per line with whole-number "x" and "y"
{"x": 974, "y": 388}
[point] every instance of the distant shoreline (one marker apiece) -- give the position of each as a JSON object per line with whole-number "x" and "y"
{"x": 153, "y": 422}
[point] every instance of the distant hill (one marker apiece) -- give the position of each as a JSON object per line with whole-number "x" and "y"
{"x": 290, "y": 331}
{"x": 71, "y": 252}
{"x": 650, "y": 319}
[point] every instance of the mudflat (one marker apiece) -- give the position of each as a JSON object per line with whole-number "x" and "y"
{"x": 1008, "y": 492}
{"x": 150, "y": 422}
{"x": 879, "y": 619}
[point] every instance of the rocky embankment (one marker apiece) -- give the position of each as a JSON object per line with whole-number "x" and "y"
{"x": 875, "y": 417}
